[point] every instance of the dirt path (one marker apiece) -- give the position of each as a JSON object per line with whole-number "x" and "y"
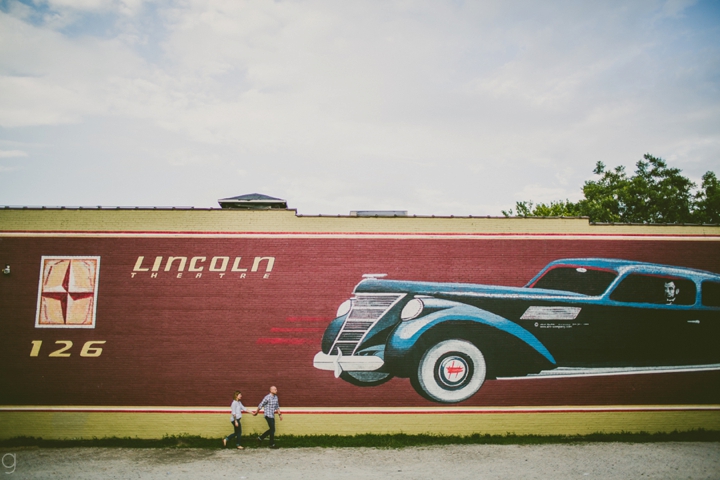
{"x": 586, "y": 461}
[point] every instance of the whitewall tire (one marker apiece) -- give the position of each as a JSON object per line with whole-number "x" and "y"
{"x": 450, "y": 371}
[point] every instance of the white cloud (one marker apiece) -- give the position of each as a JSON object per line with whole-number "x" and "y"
{"x": 127, "y": 7}
{"x": 49, "y": 79}
{"x": 471, "y": 105}
{"x": 184, "y": 157}
{"x": 12, "y": 153}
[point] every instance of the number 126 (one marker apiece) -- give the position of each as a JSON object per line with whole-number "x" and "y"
{"x": 88, "y": 350}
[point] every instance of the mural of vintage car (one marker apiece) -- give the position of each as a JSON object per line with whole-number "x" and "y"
{"x": 581, "y": 313}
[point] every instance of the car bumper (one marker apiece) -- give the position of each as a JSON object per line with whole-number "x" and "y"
{"x": 347, "y": 363}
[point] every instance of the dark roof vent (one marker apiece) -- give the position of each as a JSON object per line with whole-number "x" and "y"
{"x": 253, "y": 201}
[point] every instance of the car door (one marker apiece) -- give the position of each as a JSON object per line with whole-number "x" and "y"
{"x": 576, "y": 329}
{"x": 654, "y": 320}
{"x": 707, "y": 322}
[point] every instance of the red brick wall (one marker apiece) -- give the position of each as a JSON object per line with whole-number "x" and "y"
{"x": 192, "y": 340}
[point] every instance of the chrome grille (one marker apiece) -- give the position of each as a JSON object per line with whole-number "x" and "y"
{"x": 357, "y": 325}
{"x": 367, "y": 310}
{"x": 345, "y": 348}
{"x": 351, "y": 336}
{"x": 364, "y": 314}
{"x": 374, "y": 301}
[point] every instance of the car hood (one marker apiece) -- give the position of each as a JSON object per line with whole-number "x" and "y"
{"x": 374, "y": 285}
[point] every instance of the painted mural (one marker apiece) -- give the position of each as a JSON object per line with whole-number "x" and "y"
{"x": 423, "y": 320}
{"x": 579, "y": 316}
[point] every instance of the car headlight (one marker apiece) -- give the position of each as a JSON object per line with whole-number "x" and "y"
{"x": 344, "y": 308}
{"x": 412, "y": 309}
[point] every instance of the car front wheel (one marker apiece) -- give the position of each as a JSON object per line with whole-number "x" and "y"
{"x": 450, "y": 371}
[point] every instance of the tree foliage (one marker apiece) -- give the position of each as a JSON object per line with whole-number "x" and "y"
{"x": 656, "y": 193}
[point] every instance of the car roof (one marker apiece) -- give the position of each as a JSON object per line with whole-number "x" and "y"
{"x": 621, "y": 266}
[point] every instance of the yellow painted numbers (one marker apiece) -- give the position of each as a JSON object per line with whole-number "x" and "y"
{"x": 63, "y": 348}
{"x": 89, "y": 350}
{"x": 35, "y": 351}
{"x": 62, "y": 352}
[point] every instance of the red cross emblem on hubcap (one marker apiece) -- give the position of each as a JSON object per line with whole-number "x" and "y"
{"x": 453, "y": 370}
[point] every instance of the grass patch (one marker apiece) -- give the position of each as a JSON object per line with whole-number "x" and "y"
{"x": 367, "y": 440}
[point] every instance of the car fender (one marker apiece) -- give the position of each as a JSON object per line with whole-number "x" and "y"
{"x": 407, "y": 333}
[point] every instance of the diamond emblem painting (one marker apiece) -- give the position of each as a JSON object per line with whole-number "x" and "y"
{"x": 67, "y": 294}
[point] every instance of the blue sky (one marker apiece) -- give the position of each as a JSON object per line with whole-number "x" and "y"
{"x": 435, "y": 107}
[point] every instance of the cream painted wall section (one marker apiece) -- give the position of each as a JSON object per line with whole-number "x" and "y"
{"x": 271, "y": 221}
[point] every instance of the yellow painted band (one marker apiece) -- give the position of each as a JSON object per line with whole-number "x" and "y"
{"x": 100, "y": 424}
{"x": 232, "y": 220}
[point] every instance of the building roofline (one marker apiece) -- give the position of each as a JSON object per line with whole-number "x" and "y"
{"x": 350, "y": 216}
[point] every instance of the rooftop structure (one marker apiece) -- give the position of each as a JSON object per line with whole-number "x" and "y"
{"x": 253, "y": 201}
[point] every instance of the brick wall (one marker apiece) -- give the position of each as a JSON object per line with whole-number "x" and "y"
{"x": 180, "y": 338}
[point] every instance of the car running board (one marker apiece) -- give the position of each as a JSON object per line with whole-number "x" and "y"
{"x": 565, "y": 372}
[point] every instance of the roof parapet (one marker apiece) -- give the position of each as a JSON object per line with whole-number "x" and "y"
{"x": 379, "y": 213}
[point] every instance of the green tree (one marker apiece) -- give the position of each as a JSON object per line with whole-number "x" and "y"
{"x": 553, "y": 209}
{"x": 658, "y": 194}
{"x": 655, "y": 194}
{"x": 605, "y": 198}
{"x": 707, "y": 200}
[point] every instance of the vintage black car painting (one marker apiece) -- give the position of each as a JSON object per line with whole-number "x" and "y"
{"x": 581, "y": 314}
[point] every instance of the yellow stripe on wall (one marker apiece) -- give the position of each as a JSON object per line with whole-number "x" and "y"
{"x": 156, "y": 423}
{"x": 127, "y": 220}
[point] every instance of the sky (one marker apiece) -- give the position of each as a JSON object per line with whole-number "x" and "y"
{"x": 437, "y": 107}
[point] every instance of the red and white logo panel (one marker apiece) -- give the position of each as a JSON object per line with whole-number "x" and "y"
{"x": 67, "y": 294}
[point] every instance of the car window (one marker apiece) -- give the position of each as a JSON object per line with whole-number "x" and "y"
{"x": 662, "y": 290}
{"x": 711, "y": 294}
{"x": 582, "y": 280}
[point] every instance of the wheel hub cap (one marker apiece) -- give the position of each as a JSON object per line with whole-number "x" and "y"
{"x": 453, "y": 370}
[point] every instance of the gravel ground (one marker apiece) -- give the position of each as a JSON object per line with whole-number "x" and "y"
{"x": 584, "y": 461}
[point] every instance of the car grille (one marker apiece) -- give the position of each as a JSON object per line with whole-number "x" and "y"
{"x": 351, "y": 336}
{"x": 366, "y": 311}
